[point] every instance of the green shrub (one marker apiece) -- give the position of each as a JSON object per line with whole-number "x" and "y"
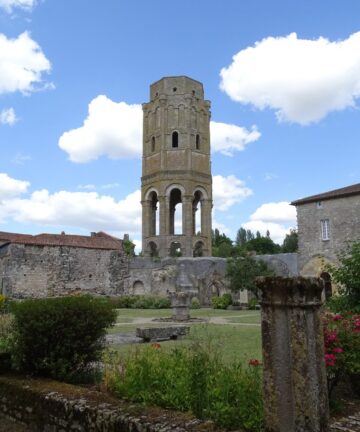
{"x": 252, "y": 304}
{"x": 5, "y": 331}
{"x": 140, "y": 302}
{"x": 221, "y": 302}
{"x": 189, "y": 378}
{"x": 60, "y": 337}
{"x": 195, "y": 303}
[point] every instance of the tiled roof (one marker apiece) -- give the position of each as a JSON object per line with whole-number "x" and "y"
{"x": 98, "y": 240}
{"x": 336, "y": 193}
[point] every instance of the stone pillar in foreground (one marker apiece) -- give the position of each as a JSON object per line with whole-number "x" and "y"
{"x": 295, "y": 387}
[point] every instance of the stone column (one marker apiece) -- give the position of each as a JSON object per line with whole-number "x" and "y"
{"x": 206, "y": 207}
{"x": 295, "y": 387}
{"x": 187, "y": 223}
{"x": 145, "y": 219}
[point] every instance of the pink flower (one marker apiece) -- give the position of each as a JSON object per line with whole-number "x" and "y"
{"x": 331, "y": 337}
{"x": 338, "y": 350}
{"x": 330, "y": 359}
{"x": 337, "y": 317}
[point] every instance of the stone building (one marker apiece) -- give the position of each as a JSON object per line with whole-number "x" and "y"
{"x": 56, "y": 264}
{"x": 326, "y": 223}
{"x": 176, "y": 174}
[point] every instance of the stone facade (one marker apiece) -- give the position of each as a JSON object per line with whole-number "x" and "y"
{"x": 326, "y": 222}
{"x": 176, "y": 169}
{"x": 53, "y": 265}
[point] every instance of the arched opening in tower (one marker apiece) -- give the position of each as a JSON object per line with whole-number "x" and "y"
{"x": 176, "y": 212}
{"x": 175, "y": 249}
{"x": 153, "y": 249}
{"x": 175, "y": 139}
{"x": 197, "y": 210}
{"x": 198, "y": 249}
{"x": 327, "y": 284}
{"x": 154, "y": 214}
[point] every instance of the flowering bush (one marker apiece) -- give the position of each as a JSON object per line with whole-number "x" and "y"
{"x": 342, "y": 346}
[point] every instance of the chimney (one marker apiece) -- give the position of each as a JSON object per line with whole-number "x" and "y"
{"x": 62, "y": 233}
{"x": 92, "y": 234}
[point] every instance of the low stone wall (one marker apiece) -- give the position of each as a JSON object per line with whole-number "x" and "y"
{"x": 44, "y": 405}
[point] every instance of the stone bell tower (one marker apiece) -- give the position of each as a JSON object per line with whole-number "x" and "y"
{"x": 176, "y": 184}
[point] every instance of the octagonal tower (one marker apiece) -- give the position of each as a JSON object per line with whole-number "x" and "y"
{"x": 176, "y": 183}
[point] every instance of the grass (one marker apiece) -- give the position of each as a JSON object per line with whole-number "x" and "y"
{"x": 230, "y": 339}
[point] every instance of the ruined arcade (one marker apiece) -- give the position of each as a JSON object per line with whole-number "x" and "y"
{"x": 176, "y": 172}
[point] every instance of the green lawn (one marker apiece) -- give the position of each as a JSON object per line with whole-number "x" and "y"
{"x": 223, "y": 330}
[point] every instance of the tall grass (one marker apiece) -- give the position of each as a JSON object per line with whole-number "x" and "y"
{"x": 189, "y": 378}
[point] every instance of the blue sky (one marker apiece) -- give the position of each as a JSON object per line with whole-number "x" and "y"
{"x": 283, "y": 78}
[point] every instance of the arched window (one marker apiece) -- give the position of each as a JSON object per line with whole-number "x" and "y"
{"x": 197, "y": 213}
{"x": 152, "y": 144}
{"x": 175, "y": 139}
{"x": 176, "y": 212}
{"x": 154, "y": 214}
{"x": 198, "y": 249}
{"x": 175, "y": 249}
{"x": 197, "y": 142}
{"x": 154, "y": 252}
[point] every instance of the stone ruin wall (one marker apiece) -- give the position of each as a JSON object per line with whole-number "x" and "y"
{"x": 41, "y": 271}
{"x": 157, "y": 276}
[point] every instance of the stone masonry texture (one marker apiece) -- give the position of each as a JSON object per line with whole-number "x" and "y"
{"x": 294, "y": 376}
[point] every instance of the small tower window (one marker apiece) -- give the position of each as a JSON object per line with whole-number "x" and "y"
{"x": 153, "y": 144}
{"x": 174, "y": 89}
{"x": 197, "y": 143}
{"x": 175, "y": 139}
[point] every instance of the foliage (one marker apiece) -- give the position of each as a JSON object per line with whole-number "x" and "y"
{"x": 342, "y": 346}
{"x": 195, "y": 303}
{"x": 347, "y": 275}
{"x": 262, "y": 245}
{"x": 129, "y": 247}
{"x": 221, "y": 244}
{"x": 5, "y": 331}
{"x": 290, "y": 243}
{"x": 242, "y": 271}
{"x": 253, "y": 302}
{"x": 221, "y": 302}
{"x": 59, "y": 337}
{"x": 189, "y": 378}
{"x": 140, "y": 302}
{"x": 4, "y": 304}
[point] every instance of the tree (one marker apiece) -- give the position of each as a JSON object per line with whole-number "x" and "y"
{"x": 222, "y": 245}
{"x": 242, "y": 271}
{"x": 263, "y": 245}
{"x": 241, "y": 237}
{"x": 290, "y": 243}
{"x": 347, "y": 275}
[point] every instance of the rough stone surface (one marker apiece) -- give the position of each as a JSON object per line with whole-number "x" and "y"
{"x": 162, "y": 333}
{"x": 206, "y": 274}
{"x": 343, "y": 214}
{"x": 295, "y": 386}
{"x": 44, "y": 405}
{"x": 41, "y": 271}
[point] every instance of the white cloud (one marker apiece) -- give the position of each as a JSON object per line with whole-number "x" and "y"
{"x": 302, "y": 80}
{"x": 277, "y": 231}
{"x": 87, "y": 186}
{"x": 111, "y": 128}
{"x": 8, "y": 116}
{"x": 227, "y": 191}
{"x": 280, "y": 212}
{"x": 9, "y": 5}
{"x": 228, "y": 138}
{"x": 111, "y": 185}
{"x": 20, "y": 158}
{"x": 22, "y": 64}
{"x": 278, "y": 218}
{"x": 87, "y": 210}
{"x": 10, "y": 187}
{"x": 114, "y": 129}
